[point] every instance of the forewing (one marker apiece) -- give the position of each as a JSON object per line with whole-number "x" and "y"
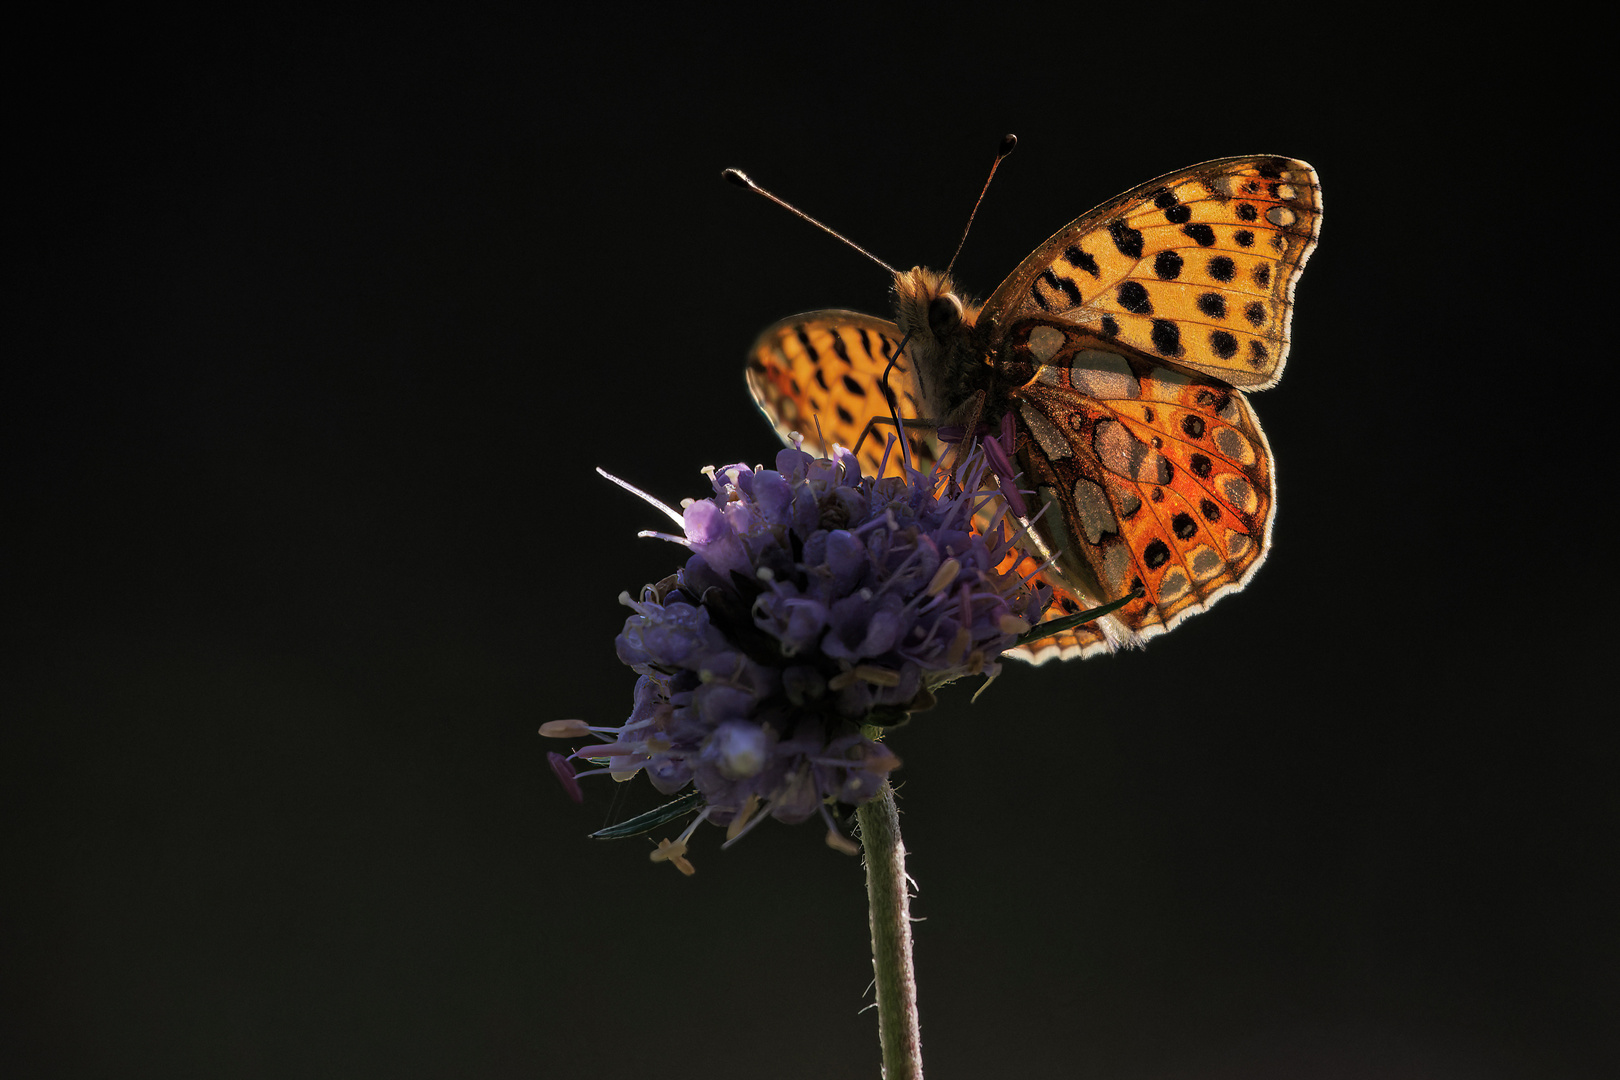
{"x": 1158, "y": 479}
{"x": 821, "y": 374}
{"x": 1197, "y": 267}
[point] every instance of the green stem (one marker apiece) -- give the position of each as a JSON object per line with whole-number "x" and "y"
{"x": 888, "y": 894}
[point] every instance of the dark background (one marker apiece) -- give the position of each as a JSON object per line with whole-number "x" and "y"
{"x": 317, "y": 331}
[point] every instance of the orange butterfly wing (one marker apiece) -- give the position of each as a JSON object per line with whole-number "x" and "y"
{"x": 1196, "y": 267}
{"x": 820, "y": 374}
{"x": 1123, "y": 337}
{"x": 1119, "y": 343}
{"x": 1156, "y": 480}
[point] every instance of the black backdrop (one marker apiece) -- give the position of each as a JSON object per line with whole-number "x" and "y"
{"x": 318, "y": 330}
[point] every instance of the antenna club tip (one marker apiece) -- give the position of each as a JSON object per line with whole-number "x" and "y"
{"x": 1009, "y": 143}
{"x": 736, "y": 176}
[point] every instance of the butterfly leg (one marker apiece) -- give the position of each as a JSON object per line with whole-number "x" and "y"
{"x": 921, "y": 424}
{"x": 971, "y": 422}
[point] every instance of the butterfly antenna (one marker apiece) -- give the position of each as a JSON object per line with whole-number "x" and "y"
{"x": 740, "y": 178}
{"x": 1009, "y": 143}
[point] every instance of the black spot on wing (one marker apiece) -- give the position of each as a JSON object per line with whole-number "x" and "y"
{"x": 1166, "y": 337}
{"x": 840, "y": 348}
{"x": 1126, "y": 239}
{"x": 1167, "y": 265}
{"x": 1064, "y": 285}
{"x": 1222, "y": 268}
{"x": 854, "y": 387}
{"x": 1080, "y": 260}
{"x": 1133, "y": 297}
{"x": 1211, "y": 400}
{"x": 1201, "y": 234}
{"x": 804, "y": 340}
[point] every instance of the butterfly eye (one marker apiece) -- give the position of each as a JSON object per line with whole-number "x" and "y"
{"x": 944, "y": 314}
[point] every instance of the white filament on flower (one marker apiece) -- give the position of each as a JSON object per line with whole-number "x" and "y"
{"x": 653, "y": 499}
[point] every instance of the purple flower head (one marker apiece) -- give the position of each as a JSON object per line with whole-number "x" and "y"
{"x": 817, "y": 607}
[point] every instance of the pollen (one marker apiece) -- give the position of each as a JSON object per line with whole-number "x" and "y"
{"x": 737, "y": 823}
{"x": 673, "y": 853}
{"x": 1012, "y": 624}
{"x": 877, "y": 676}
{"x": 943, "y": 577}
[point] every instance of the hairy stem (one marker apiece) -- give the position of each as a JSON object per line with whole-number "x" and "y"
{"x": 888, "y": 895}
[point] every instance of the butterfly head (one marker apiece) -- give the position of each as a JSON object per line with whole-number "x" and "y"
{"x": 938, "y": 321}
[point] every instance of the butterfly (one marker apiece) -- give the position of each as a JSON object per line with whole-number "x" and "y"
{"x": 1120, "y": 351}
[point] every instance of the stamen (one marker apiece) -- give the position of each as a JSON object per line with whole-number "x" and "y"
{"x": 692, "y": 828}
{"x": 1039, "y": 570}
{"x": 888, "y": 448}
{"x": 738, "y": 823}
{"x": 653, "y": 499}
{"x": 607, "y": 750}
{"x": 600, "y": 770}
{"x": 565, "y": 729}
{"x": 566, "y": 776}
{"x": 943, "y": 576}
{"x": 1012, "y": 624}
{"x": 839, "y": 842}
{"x": 652, "y": 534}
{"x": 764, "y": 813}
{"x": 876, "y": 676}
{"x": 673, "y": 853}
{"x": 832, "y": 828}
{"x": 883, "y": 761}
{"x": 886, "y": 520}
